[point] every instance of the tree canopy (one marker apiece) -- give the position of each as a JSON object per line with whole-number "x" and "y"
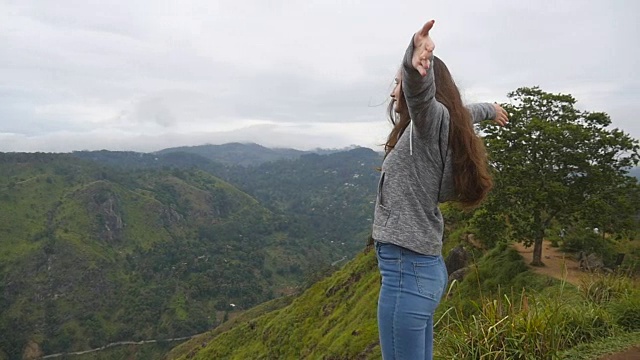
{"x": 554, "y": 162}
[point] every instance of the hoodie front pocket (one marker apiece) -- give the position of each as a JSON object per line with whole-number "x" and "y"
{"x": 382, "y": 215}
{"x": 380, "y": 183}
{"x": 382, "y": 212}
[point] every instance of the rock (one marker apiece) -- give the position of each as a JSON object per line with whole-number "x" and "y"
{"x": 32, "y": 351}
{"x": 112, "y": 220}
{"x": 104, "y": 205}
{"x": 170, "y": 216}
{"x": 590, "y": 262}
{"x": 458, "y": 275}
{"x": 619, "y": 259}
{"x": 457, "y": 259}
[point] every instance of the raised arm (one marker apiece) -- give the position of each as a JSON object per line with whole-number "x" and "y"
{"x": 481, "y": 111}
{"x": 486, "y": 111}
{"x": 418, "y": 81}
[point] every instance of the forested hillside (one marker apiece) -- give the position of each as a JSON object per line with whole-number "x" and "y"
{"x": 91, "y": 254}
{"x": 328, "y": 197}
{"x": 332, "y": 194}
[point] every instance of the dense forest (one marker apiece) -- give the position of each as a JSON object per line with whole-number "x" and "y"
{"x": 105, "y": 247}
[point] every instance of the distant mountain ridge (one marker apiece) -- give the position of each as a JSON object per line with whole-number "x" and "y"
{"x": 244, "y": 154}
{"x": 230, "y": 154}
{"x": 136, "y": 160}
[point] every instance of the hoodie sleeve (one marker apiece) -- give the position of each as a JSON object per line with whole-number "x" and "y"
{"x": 481, "y": 111}
{"x": 419, "y": 92}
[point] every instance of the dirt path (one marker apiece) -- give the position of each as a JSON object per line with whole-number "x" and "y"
{"x": 557, "y": 263}
{"x": 630, "y": 354}
{"x": 562, "y": 266}
{"x": 119, "y": 343}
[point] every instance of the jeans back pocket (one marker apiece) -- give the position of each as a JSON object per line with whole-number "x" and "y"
{"x": 430, "y": 278}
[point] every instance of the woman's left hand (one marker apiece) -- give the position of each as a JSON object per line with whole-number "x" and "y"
{"x": 502, "y": 117}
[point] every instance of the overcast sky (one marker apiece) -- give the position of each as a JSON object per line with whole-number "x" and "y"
{"x": 147, "y": 75}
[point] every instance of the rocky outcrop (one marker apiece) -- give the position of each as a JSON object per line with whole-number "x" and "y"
{"x": 590, "y": 262}
{"x": 32, "y": 351}
{"x": 458, "y": 275}
{"x": 457, "y": 263}
{"x": 104, "y": 208}
{"x": 112, "y": 226}
{"x": 170, "y": 216}
{"x": 457, "y": 259}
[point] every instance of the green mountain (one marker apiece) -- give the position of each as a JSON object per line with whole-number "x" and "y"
{"x": 334, "y": 319}
{"x": 331, "y": 195}
{"x": 91, "y": 255}
{"x": 134, "y": 160}
{"x": 237, "y": 153}
{"x": 325, "y": 197}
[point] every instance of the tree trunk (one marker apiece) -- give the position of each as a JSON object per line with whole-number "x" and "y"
{"x": 539, "y": 226}
{"x": 537, "y": 252}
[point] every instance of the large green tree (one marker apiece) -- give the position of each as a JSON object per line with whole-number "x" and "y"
{"x": 554, "y": 162}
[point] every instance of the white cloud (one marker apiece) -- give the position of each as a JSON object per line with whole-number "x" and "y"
{"x": 146, "y": 75}
{"x": 303, "y": 136}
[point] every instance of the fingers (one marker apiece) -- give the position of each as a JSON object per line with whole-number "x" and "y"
{"x": 424, "y": 59}
{"x": 505, "y": 115}
{"x": 502, "y": 117}
{"x": 426, "y": 28}
{"x": 422, "y": 69}
{"x": 422, "y": 64}
{"x": 422, "y": 40}
{"x": 423, "y": 48}
{"x": 425, "y": 64}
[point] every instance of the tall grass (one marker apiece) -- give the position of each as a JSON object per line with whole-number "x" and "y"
{"x": 530, "y": 323}
{"x": 619, "y": 293}
{"x": 523, "y": 326}
{"x": 603, "y": 288}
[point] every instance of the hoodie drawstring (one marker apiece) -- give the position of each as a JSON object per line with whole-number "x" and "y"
{"x": 411, "y": 137}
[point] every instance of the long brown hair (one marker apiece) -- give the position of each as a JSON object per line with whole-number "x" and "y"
{"x": 471, "y": 176}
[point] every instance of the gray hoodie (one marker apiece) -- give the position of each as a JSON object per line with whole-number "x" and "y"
{"x": 417, "y": 173}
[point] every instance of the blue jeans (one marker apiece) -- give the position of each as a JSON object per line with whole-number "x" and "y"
{"x": 412, "y": 285}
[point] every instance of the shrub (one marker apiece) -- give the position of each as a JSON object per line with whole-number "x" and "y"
{"x": 581, "y": 239}
{"x": 602, "y": 288}
{"x": 626, "y": 311}
{"x": 586, "y": 240}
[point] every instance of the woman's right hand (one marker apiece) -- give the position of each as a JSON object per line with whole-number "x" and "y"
{"x": 423, "y": 47}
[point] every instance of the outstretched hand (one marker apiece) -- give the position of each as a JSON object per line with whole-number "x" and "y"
{"x": 502, "y": 117}
{"x": 423, "y": 47}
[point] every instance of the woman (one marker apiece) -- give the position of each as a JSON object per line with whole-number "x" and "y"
{"x": 438, "y": 158}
